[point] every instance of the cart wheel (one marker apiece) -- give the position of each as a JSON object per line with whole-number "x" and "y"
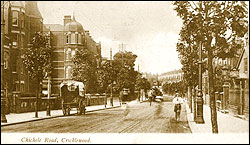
{"x": 84, "y": 109}
{"x": 79, "y": 108}
{"x": 68, "y": 110}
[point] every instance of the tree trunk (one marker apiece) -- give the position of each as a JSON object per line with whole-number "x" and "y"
{"x": 211, "y": 93}
{"x": 190, "y": 98}
{"x": 37, "y": 96}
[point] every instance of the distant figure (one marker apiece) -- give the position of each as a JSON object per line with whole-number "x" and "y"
{"x": 120, "y": 97}
{"x": 126, "y": 111}
{"x": 150, "y": 95}
{"x": 177, "y": 106}
{"x": 139, "y": 95}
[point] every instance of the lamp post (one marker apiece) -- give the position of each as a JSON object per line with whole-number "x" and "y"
{"x": 111, "y": 91}
{"x": 49, "y": 92}
{"x": 199, "y": 118}
{"x": 225, "y": 89}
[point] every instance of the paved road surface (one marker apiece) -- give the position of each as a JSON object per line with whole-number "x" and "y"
{"x": 133, "y": 118}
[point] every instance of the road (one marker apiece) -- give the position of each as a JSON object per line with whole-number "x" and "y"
{"x": 132, "y": 118}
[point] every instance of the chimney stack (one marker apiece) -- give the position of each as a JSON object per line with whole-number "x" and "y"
{"x": 67, "y": 19}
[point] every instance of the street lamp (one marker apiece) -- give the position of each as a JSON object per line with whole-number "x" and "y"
{"x": 199, "y": 116}
{"x": 49, "y": 92}
{"x": 225, "y": 89}
{"x": 234, "y": 73}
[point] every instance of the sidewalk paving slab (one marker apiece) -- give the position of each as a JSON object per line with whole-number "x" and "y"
{"x": 16, "y": 118}
{"x": 226, "y": 123}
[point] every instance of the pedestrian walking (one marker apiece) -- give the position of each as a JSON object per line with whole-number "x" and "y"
{"x": 150, "y": 96}
{"x": 120, "y": 97}
{"x": 177, "y": 106}
{"x": 126, "y": 111}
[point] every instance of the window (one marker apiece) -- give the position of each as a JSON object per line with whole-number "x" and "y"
{"x": 79, "y": 39}
{"x": 15, "y": 18}
{"x": 68, "y": 54}
{"x": 6, "y": 57}
{"x": 22, "y": 87}
{"x": 68, "y": 72}
{"x": 15, "y": 40}
{"x": 67, "y": 38}
{"x": 73, "y": 38}
{"x": 245, "y": 65}
{"x": 76, "y": 37}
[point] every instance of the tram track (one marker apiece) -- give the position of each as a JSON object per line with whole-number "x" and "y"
{"x": 137, "y": 123}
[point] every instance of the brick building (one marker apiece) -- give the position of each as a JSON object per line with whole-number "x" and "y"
{"x": 172, "y": 76}
{"x": 20, "y": 22}
{"x": 66, "y": 40}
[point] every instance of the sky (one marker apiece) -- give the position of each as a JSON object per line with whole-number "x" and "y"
{"x": 146, "y": 28}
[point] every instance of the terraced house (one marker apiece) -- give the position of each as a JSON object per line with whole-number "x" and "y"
{"x": 66, "y": 40}
{"x": 20, "y": 20}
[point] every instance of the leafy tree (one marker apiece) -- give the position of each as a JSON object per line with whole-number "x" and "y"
{"x": 104, "y": 74}
{"x": 123, "y": 66}
{"x": 120, "y": 71}
{"x": 84, "y": 69}
{"x": 37, "y": 60}
{"x": 139, "y": 82}
{"x": 126, "y": 59}
{"x": 214, "y": 20}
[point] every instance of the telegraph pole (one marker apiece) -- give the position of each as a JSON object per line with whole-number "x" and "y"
{"x": 122, "y": 54}
{"x": 111, "y": 91}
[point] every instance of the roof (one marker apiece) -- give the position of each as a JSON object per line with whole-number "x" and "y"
{"x": 54, "y": 27}
{"x": 171, "y": 72}
{"x": 17, "y": 3}
{"x": 32, "y": 10}
{"x": 74, "y": 26}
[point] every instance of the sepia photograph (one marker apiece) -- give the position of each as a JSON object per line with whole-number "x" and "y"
{"x": 124, "y": 72}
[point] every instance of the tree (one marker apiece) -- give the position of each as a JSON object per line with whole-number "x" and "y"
{"x": 124, "y": 73}
{"x": 104, "y": 76}
{"x": 37, "y": 60}
{"x": 84, "y": 69}
{"x": 214, "y": 20}
{"x": 187, "y": 49}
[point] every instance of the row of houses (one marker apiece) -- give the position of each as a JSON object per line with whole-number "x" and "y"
{"x": 172, "y": 76}
{"x": 20, "y": 20}
{"x": 235, "y": 76}
{"x": 234, "y": 94}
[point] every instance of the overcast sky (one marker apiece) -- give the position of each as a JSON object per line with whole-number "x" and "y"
{"x": 148, "y": 29}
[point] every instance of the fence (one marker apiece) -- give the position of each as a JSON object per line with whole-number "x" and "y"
{"x": 235, "y": 104}
{"x": 19, "y": 103}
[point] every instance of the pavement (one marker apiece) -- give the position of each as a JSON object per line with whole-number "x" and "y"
{"x": 226, "y": 123}
{"x": 16, "y": 118}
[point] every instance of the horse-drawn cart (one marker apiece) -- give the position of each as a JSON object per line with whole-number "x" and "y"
{"x": 73, "y": 96}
